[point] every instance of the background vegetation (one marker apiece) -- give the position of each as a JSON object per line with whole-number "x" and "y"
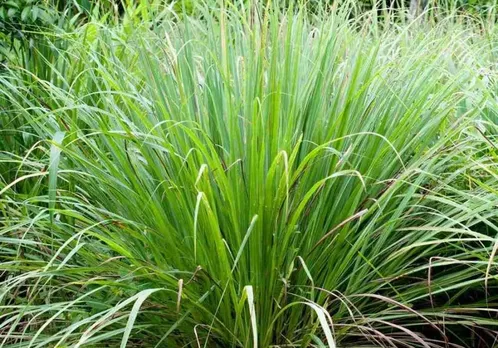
{"x": 247, "y": 175}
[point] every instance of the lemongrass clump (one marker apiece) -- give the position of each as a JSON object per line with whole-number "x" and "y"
{"x": 251, "y": 177}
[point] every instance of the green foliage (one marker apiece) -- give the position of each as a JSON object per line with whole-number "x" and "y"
{"x": 19, "y": 17}
{"x": 24, "y": 25}
{"x": 250, "y": 177}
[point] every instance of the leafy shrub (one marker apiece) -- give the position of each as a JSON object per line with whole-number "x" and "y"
{"x": 18, "y": 18}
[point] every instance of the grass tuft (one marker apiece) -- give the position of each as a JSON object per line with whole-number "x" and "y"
{"x": 251, "y": 176}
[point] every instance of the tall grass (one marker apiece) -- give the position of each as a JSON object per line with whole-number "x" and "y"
{"x": 251, "y": 177}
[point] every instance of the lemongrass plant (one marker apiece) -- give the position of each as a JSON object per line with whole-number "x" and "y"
{"x": 251, "y": 177}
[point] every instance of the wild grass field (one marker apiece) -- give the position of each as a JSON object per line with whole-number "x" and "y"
{"x": 251, "y": 176}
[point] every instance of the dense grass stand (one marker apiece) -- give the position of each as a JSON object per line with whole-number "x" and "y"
{"x": 250, "y": 176}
